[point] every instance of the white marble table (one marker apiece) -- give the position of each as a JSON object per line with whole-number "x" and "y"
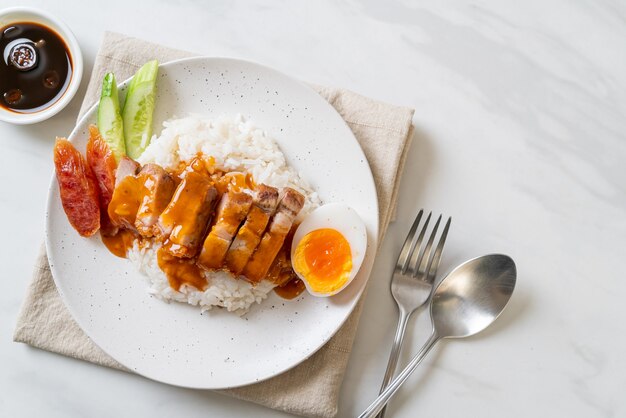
{"x": 521, "y": 137}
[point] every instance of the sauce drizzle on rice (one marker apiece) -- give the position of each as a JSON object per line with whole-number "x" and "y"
{"x": 180, "y": 271}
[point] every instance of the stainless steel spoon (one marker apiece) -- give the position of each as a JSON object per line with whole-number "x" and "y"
{"x": 466, "y": 302}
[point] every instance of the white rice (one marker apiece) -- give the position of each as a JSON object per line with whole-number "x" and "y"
{"x": 236, "y": 145}
{"x": 223, "y": 289}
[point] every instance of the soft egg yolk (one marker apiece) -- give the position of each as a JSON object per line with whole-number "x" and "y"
{"x": 324, "y": 259}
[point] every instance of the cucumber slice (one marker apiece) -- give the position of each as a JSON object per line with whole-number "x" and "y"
{"x": 138, "y": 109}
{"x": 109, "y": 120}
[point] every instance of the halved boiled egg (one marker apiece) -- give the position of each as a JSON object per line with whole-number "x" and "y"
{"x": 328, "y": 248}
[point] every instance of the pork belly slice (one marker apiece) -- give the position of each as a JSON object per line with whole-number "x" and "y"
{"x": 126, "y": 167}
{"x": 290, "y": 205}
{"x": 249, "y": 235}
{"x": 232, "y": 210}
{"x": 127, "y": 194}
{"x": 183, "y": 223}
{"x": 281, "y": 272}
{"x": 159, "y": 187}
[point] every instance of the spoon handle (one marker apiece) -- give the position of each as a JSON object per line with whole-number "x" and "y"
{"x": 384, "y": 397}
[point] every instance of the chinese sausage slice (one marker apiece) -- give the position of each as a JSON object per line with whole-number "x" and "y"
{"x": 102, "y": 162}
{"x": 77, "y": 188}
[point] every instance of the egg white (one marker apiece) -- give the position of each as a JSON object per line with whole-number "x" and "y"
{"x": 348, "y": 223}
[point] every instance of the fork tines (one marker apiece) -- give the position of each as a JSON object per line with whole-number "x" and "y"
{"x": 424, "y": 262}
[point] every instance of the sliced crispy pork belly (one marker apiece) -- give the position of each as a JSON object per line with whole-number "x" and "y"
{"x": 290, "y": 205}
{"x": 127, "y": 194}
{"x": 249, "y": 235}
{"x": 281, "y": 270}
{"x": 232, "y": 210}
{"x": 159, "y": 187}
{"x": 126, "y": 167}
{"x": 183, "y": 223}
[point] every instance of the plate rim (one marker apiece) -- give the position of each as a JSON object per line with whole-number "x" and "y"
{"x": 359, "y": 293}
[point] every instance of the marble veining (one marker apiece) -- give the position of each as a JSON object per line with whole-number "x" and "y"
{"x": 520, "y": 136}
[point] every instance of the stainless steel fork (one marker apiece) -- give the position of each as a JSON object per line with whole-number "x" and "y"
{"x": 412, "y": 281}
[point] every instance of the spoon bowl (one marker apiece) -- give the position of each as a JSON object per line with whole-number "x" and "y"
{"x": 472, "y": 296}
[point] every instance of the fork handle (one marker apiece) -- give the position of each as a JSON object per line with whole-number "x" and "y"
{"x": 384, "y": 397}
{"x": 403, "y": 319}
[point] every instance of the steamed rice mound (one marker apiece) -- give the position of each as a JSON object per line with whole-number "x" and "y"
{"x": 236, "y": 145}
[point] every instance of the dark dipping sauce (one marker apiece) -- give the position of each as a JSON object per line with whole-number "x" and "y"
{"x": 46, "y": 67}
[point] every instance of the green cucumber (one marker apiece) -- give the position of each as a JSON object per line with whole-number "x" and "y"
{"x": 109, "y": 121}
{"x": 138, "y": 109}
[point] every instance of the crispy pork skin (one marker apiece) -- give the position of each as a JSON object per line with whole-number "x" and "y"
{"x": 159, "y": 187}
{"x": 250, "y": 233}
{"x": 232, "y": 210}
{"x": 183, "y": 223}
{"x": 290, "y": 205}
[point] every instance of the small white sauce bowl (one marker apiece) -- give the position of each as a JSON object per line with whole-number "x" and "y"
{"x": 27, "y": 14}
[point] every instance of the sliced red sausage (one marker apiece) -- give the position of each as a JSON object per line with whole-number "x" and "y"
{"x": 102, "y": 162}
{"x": 77, "y": 187}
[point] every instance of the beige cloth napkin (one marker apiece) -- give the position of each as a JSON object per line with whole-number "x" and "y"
{"x": 309, "y": 389}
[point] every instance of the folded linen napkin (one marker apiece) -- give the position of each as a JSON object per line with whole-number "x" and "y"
{"x": 309, "y": 389}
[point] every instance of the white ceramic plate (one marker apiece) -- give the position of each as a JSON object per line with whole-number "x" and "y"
{"x": 174, "y": 343}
